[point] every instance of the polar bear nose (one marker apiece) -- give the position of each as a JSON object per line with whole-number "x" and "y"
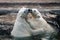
{"x": 29, "y": 10}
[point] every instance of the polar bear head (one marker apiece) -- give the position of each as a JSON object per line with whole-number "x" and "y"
{"x": 36, "y": 13}
{"x": 23, "y": 12}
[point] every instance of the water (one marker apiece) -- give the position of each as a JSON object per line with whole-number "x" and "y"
{"x": 16, "y": 38}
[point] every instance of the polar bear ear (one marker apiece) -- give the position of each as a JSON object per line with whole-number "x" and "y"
{"x": 36, "y": 13}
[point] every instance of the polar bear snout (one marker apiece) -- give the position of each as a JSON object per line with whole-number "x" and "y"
{"x": 30, "y": 10}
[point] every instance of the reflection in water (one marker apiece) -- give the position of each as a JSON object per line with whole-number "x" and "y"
{"x": 25, "y": 38}
{"x": 36, "y": 37}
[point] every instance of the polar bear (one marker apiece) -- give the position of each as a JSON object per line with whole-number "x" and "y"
{"x": 26, "y": 27}
{"x": 37, "y": 22}
{"x": 21, "y": 27}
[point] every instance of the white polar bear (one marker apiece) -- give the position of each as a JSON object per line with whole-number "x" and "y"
{"x": 21, "y": 27}
{"x": 37, "y": 22}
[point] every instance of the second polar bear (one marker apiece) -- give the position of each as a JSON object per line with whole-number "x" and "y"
{"x": 37, "y": 22}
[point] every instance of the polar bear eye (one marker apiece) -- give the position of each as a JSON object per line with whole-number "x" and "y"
{"x": 34, "y": 10}
{"x": 24, "y": 11}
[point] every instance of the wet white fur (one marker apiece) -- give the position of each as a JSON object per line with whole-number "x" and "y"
{"x": 39, "y": 23}
{"x": 22, "y": 27}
